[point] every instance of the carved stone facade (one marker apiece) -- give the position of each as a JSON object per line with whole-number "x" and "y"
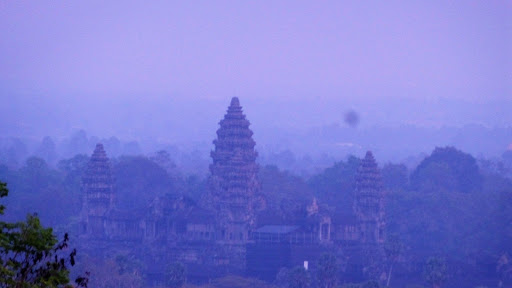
{"x": 98, "y": 192}
{"x": 234, "y": 192}
{"x": 216, "y": 236}
{"x": 369, "y": 201}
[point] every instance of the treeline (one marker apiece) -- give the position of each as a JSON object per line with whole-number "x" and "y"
{"x": 15, "y": 151}
{"x": 451, "y": 206}
{"x": 54, "y": 192}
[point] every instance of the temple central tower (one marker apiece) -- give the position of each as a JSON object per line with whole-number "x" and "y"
{"x": 369, "y": 201}
{"x": 98, "y": 193}
{"x": 234, "y": 188}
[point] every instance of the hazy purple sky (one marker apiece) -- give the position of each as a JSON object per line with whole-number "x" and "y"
{"x": 78, "y": 55}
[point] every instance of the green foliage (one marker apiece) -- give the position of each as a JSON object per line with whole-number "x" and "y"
{"x": 370, "y": 284}
{"x": 335, "y": 185}
{"x": 504, "y": 219}
{"x": 282, "y": 278}
{"x": 393, "y": 246}
{"x": 194, "y": 187}
{"x": 507, "y": 159}
{"x": 30, "y": 255}
{"x": 444, "y": 223}
{"x": 163, "y": 159}
{"x": 447, "y": 169}
{"x": 176, "y": 275}
{"x": 367, "y": 284}
{"x": 109, "y": 273}
{"x": 298, "y": 277}
{"x": 395, "y": 177}
{"x": 139, "y": 180}
{"x": 237, "y": 282}
{"x": 72, "y": 170}
{"x": 36, "y": 175}
{"x": 327, "y": 271}
{"x": 351, "y": 285}
{"x": 469, "y": 228}
{"x": 504, "y": 269}
{"x": 46, "y": 150}
{"x": 280, "y": 187}
{"x": 435, "y": 272}
{"x": 36, "y": 187}
{"x": 128, "y": 264}
{"x": 3, "y": 193}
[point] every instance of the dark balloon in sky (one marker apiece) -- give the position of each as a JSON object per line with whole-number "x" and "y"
{"x": 351, "y": 118}
{"x": 145, "y": 71}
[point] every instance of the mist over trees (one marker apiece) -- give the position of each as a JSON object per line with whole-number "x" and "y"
{"x": 451, "y": 206}
{"x": 373, "y": 147}
{"x": 304, "y": 153}
{"x": 447, "y": 211}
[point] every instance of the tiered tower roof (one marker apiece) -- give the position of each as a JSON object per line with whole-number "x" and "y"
{"x": 369, "y": 179}
{"x": 98, "y": 182}
{"x": 369, "y": 200}
{"x": 234, "y": 187}
{"x": 234, "y": 134}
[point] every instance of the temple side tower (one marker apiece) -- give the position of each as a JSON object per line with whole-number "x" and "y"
{"x": 98, "y": 193}
{"x": 234, "y": 188}
{"x": 369, "y": 202}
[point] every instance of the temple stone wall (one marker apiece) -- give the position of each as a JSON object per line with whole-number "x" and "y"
{"x": 217, "y": 233}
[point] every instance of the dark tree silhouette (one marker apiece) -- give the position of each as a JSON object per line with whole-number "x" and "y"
{"x": 298, "y": 277}
{"x": 176, "y": 275}
{"x": 447, "y": 169}
{"x": 31, "y": 256}
{"x": 327, "y": 271}
{"x": 435, "y": 271}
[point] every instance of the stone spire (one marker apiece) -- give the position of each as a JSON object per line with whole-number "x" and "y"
{"x": 234, "y": 187}
{"x": 368, "y": 204}
{"x": 97, "y": 190}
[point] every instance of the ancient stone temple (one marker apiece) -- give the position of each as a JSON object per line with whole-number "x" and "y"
{"x": 369, "y": 202}
{"x": 234, "y": 188}
{"x": 229, "y": 232}
{"x": 98, "y": 192}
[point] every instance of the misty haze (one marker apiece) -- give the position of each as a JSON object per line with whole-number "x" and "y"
{"x": 268, "y": 144}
